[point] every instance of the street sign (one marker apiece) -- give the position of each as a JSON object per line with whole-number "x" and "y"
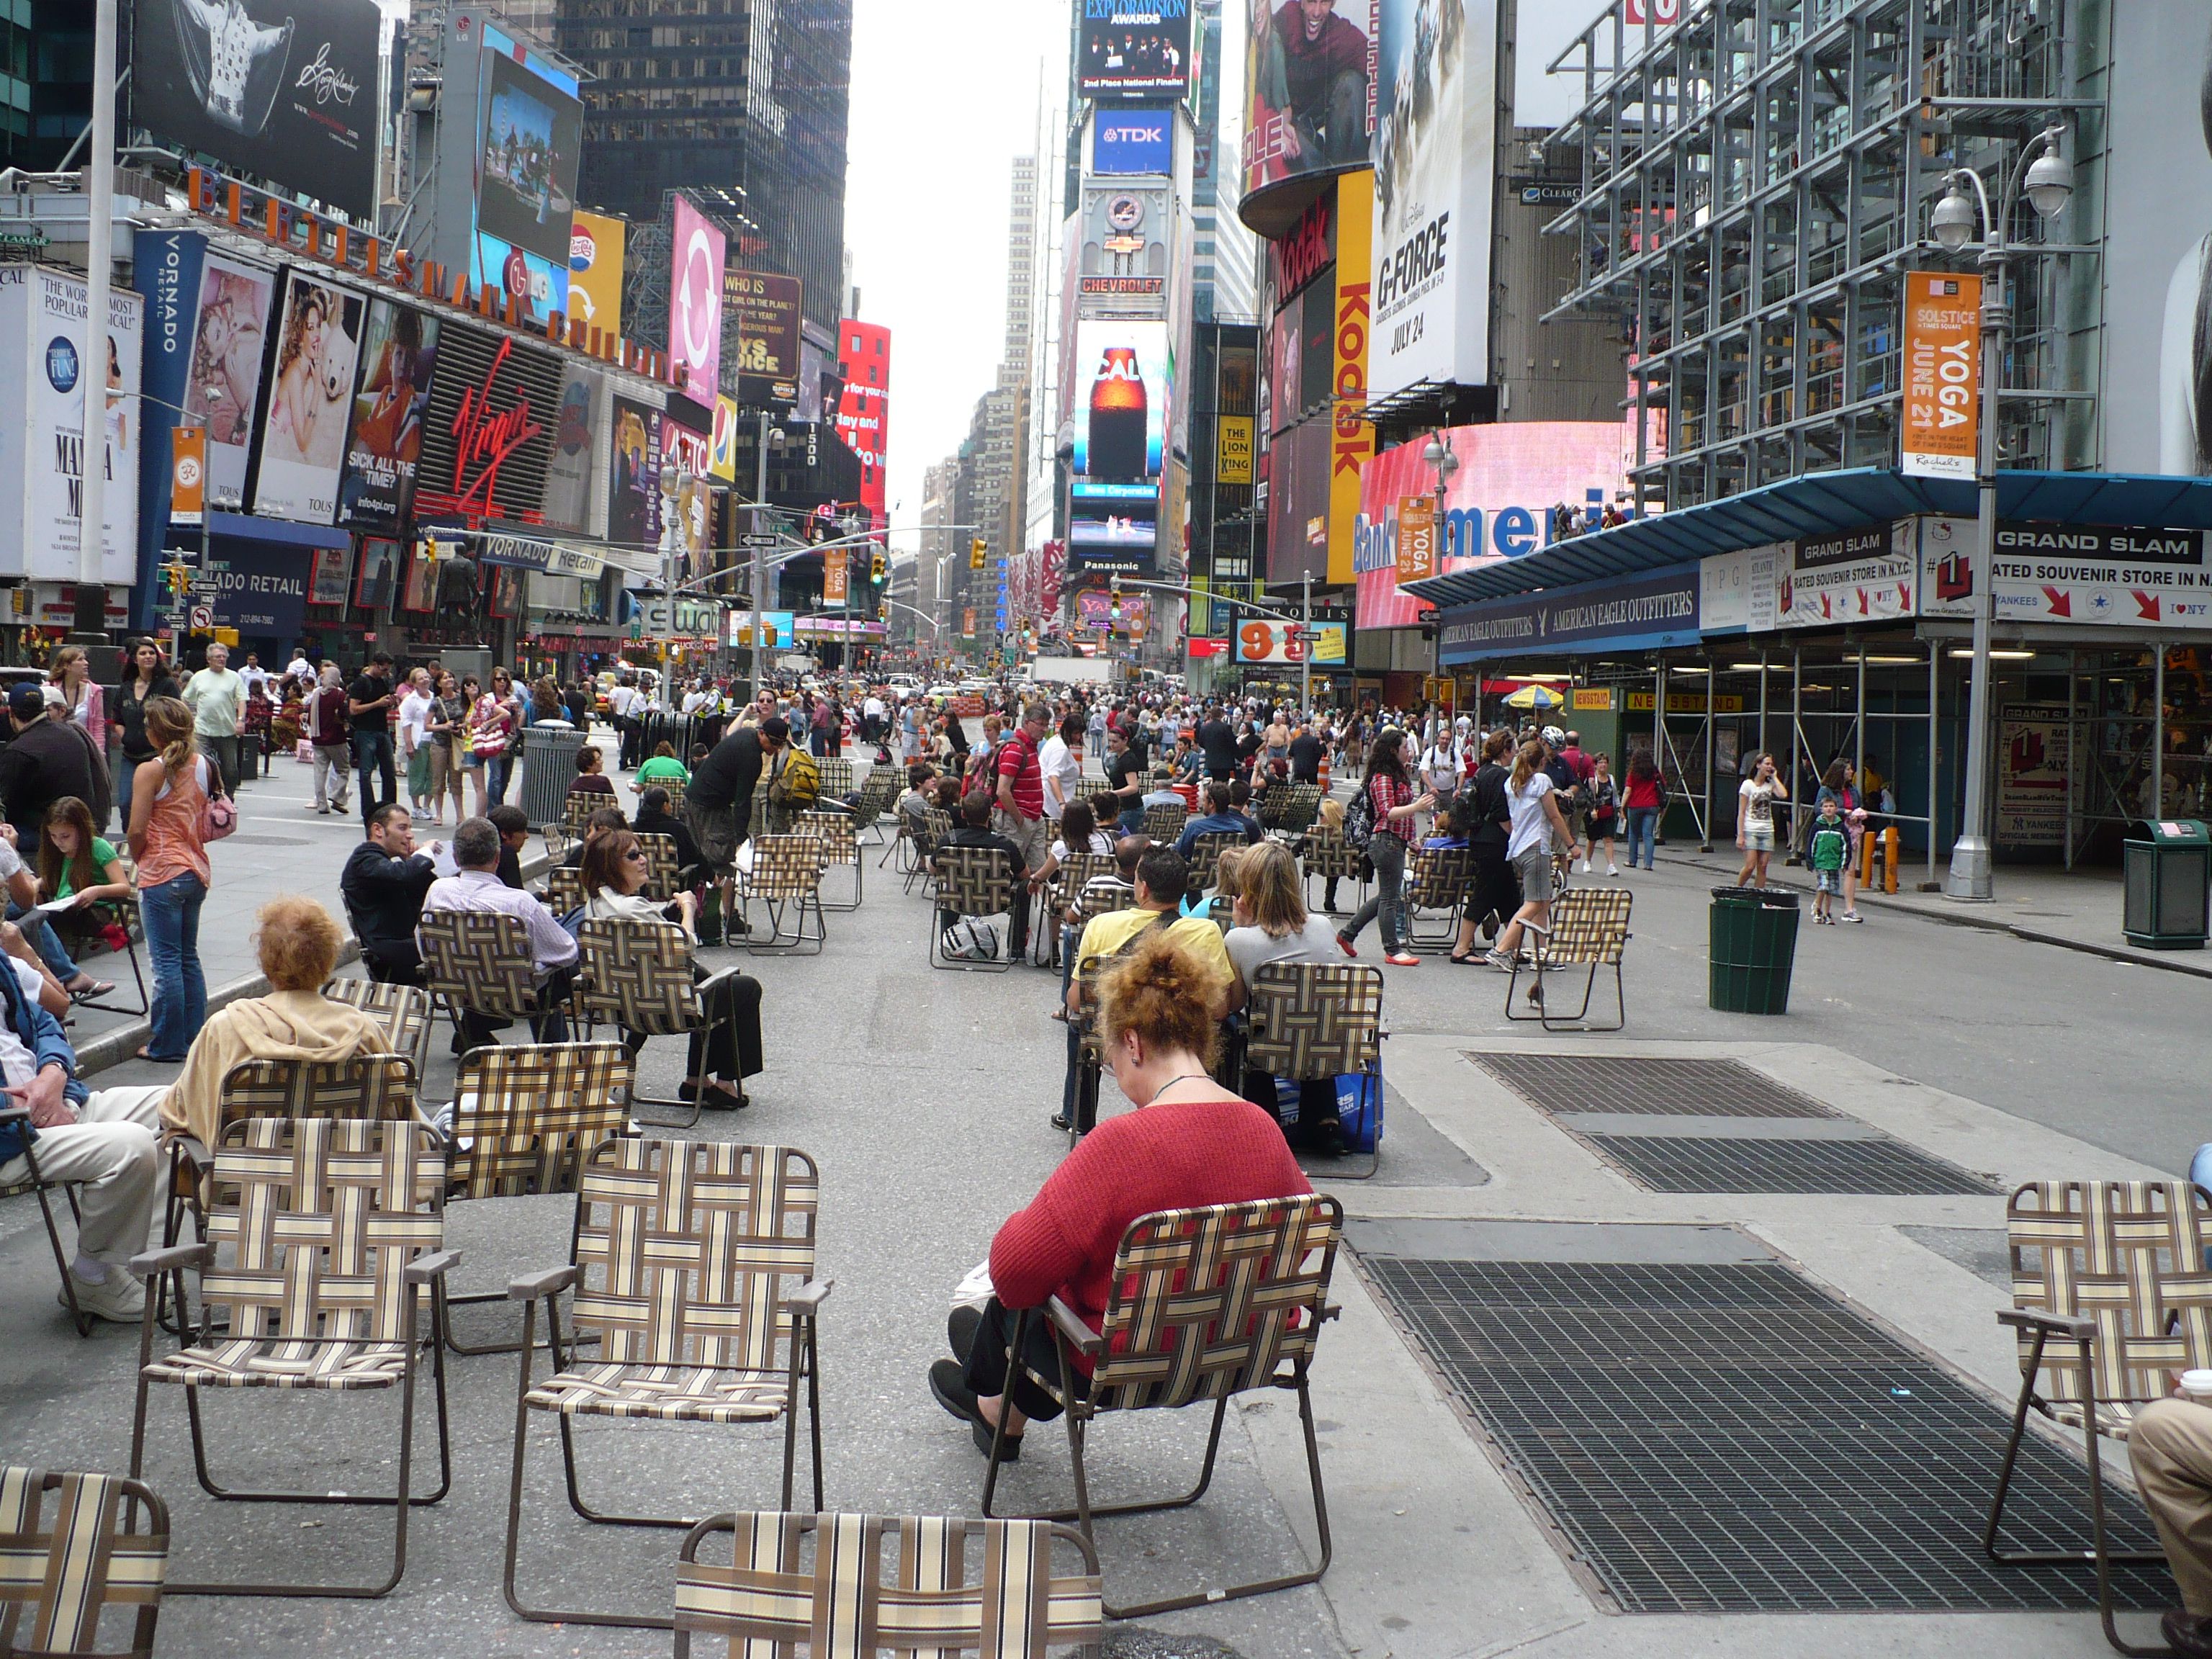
{"x": 752, "y": 538}
{"x": 202, "y": 616}
{"x": 1306, "y": 635}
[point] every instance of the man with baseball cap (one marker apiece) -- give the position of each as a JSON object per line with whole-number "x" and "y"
{"x": 44, "y": 761}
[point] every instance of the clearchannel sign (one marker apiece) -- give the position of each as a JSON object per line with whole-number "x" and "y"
{"x": 1132, "y": 141}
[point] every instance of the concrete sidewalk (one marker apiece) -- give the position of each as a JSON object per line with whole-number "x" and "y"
{"x": 2075, "y": 910}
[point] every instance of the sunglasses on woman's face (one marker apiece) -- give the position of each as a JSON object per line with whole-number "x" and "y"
{"x": 637, "y": 853}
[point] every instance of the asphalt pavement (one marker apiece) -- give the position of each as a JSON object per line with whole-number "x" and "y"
{"x": 923, "y": 1094}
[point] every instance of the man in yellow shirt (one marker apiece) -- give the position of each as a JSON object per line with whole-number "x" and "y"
{"x": 1163, "y": 877}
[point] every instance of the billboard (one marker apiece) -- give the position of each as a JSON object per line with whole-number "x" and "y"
{"x": 1113, "y": 526}
{"x": 1942, "y": 402}
{"x": 863, "y": 363}
{"x": 1132, "y": 141}
{"x": 303, "y": 428}
{"x": 224, "y": 392}
{"x": 1121, "y": 421}
{"x": 391, "y": 397}
{"x": 1123, "y": 259}
{"x": 1134, "y": 49}
{"x": 1298, "y": 500}
{"x": 1353, "y": 440}
{"x": 2156, "y": 232}
{"x": 488, "y": 434}
{"x": 697, "y": 253}
{"x": 765, "y": 309}
{"x": 45, "y": 363}
{"x": 1630, "y": 613}
{"x": 1867, "y": 574}
{"x": 1497, "y": 505}
{"x": 531, "y": 137}
{"x": 1309, "y": 88}
{"x": 1434, "y": 152}
{"x": 283, "y": 90}
{"x": 633, "y": 474}
{"x": 596, "y": 242}
{"x": 568, "y": 469}
{"x": 1259, "y": 641}
{"x": 2046, "y": 573}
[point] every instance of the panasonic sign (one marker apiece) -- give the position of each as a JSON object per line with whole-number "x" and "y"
{"x": 1127, "y": 141}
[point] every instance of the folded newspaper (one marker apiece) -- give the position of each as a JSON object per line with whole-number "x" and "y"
{"x": 976, "y": 1289}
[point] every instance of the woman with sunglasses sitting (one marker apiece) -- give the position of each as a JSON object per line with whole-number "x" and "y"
{"x": 728, "y": 1050}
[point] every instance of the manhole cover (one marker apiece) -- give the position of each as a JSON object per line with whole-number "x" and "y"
{"x": 1614, "y": 1082}
{"x": 1726, "y": 1438}
{"x": 269, "y": 841}
{"x": 1667, "y": 1164}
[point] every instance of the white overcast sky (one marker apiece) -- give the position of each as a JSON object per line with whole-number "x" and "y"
{"x": 939, "y": 110}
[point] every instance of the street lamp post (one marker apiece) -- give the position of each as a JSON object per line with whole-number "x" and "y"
{"x": 2047, "y": 176}
{"x": 91, "y": 627}
{"x": 760, "y": 570}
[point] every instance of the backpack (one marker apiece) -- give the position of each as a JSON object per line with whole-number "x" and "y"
{"x": 800, "y": 783}
{"x": 1360, "y": 820}
{"x": 971, "y": 939}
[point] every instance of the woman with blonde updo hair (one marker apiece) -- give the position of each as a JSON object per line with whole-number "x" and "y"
{"x": 1190, "y": 1142}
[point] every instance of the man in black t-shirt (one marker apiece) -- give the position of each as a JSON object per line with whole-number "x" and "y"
{"x": 369, "y": 701}
{"x": 1216, "y": 738}
{"x": 1305, "y": 756}
{"x": 1125, "y": 772}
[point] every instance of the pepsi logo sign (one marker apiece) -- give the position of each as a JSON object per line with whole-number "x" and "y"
{"x": 583, "y": 250}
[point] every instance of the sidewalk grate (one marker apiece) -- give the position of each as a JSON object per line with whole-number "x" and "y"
{"x": 1613, "y": 1083}
{"x": 1665, "y": 1164}
{"x": 1727, "y": 1438}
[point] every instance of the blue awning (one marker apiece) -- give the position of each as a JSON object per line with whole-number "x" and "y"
{"x": 1819, "y": 504}
{"x": 243, "y": 527}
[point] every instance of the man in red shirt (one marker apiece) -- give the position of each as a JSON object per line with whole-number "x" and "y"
{"x": 1020, "y": 817}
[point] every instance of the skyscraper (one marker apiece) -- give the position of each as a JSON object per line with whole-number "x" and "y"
{"x": 746, "y": 99}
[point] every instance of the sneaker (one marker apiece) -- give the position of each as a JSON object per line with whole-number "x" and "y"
{"x": 120, "y": 1298}
{"x": 1613, "y": 871}
{"x": 1498, "y": 960}
{"x": 1401, "y": 958}
{"x": 1853, "y": 916}
{"x": 1583, "y": 868}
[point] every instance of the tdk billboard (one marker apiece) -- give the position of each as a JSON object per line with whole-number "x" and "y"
{"x": 1132, "y": 141}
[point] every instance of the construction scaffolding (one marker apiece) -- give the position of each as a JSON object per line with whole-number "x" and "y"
{"x": 1755, "y": 183}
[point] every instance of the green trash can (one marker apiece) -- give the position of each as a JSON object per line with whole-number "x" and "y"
{"x": 2166, "y": 897}
{"x": 1752, "y": 942}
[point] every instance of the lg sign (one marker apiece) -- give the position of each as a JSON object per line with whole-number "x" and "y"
{"x": 1659, "y": 13}
{"x": 1132, "y": 141}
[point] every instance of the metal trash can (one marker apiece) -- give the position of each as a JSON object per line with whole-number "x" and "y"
{"x": 661, "y": 725}
{"x": 549, "y": 764}
{"x": 2166, "y": 902}
{"x": 1752, "y": 944}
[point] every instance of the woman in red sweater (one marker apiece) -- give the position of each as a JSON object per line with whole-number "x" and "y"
{"x": 1191, "y": 1143}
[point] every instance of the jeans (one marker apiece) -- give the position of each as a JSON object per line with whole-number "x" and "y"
{"x": 126, "y": 773}
{"x": 372, "y": 756}
{"x": 1642, "y": 830}
{"x": 1388, "y": 854}
{"x": 222, "y": 753}
{"x": 41, "y": 933}
{"x": 171, "y": 913}
{"x": 497, "y": 770}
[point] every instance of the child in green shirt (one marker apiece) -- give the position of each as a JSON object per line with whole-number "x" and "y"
{"x": 663, "y": 768}
{"x": 1829, "y": 847}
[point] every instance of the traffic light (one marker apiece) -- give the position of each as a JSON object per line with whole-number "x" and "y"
{"x": 876, "y": 566}
{"x": 976, "y": 549}
{"x": 883, "y": 611}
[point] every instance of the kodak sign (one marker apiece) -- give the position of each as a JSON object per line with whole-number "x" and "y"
{"x": 1351, "y": 440}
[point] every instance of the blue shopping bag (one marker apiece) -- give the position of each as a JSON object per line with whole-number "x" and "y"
{"x": 1358, "y": 1108}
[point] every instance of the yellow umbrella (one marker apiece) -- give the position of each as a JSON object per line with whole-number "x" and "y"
{"x": 1535, "y": 697}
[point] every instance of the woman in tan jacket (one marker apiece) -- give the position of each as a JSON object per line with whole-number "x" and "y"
{"x": 298, "y": 944}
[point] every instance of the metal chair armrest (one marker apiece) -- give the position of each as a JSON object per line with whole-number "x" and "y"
{"x": 806, "y": 1301}
{"x": 436, "y": 1264}
{"x": 1069, "y": 1325}
{"x": 151, "y": 1263}
{"x": 551, "y": 1282}
{"x": 15, "y": 1115}
{"x": 2033, "y": 1319}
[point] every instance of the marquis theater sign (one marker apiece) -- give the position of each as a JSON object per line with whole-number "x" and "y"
{"x": 489, "y": 434}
